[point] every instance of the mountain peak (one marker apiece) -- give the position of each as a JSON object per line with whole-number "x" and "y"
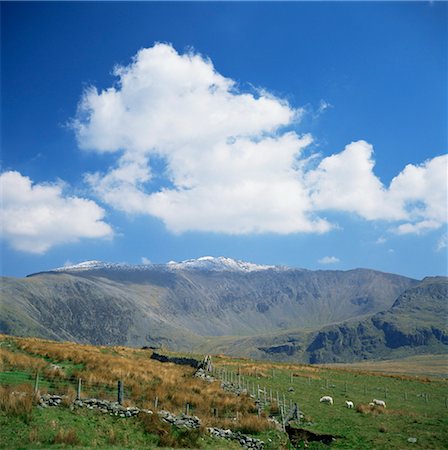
{"x": 206, "y": 263}
{"x": 218, "y": 264}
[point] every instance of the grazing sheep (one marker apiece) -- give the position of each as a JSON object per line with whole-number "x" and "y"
{"x": 371, "y": 404}
{"x": 349, "y": 404}
{"x": 326, "y": 399}
{"x": 379, "y": 402}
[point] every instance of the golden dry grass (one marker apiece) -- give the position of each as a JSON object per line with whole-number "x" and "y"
{"x": 17, "y": 401}
{"x": 144, "y": 379}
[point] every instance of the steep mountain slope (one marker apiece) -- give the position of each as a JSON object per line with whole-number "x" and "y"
{"x": 417, "y": 321}
{"x": 97, "y": 311}
{"x": 180, "y": 303}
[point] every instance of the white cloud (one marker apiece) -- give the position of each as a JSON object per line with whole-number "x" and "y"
{"x": 442, "y": 243}
{"x": 36, "y": 217}
{"x": 230, "y": 166}
{"x": 381, "y": 240}
{"x": 323, "y": 106}
{"x": 421, "y": 191}
{"x": 417, "y": 196}
{"x": 145, "y": 260}
{"x": 346, "y": 182}
{"x": 329, "y": 260}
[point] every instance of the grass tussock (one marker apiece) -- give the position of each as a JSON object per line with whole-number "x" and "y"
{"x": 374, "y": 410}
{"x": 17, "y": 401}
{"x": 67, "y": 437}
{"x": 10, "y": 359}
{"x": 251, "y": 424}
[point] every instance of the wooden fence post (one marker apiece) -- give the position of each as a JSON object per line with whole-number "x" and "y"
{"x": 120, "y": 392}
{"x": 36, "y": 383}
{"x": 78, "y": 391}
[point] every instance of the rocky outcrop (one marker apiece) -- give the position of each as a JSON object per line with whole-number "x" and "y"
{"x": 416, "y": 323}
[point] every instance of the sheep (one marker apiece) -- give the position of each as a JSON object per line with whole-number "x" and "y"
{"x": 349, "y": 404}
{"x": 371, "y": 404}
{"x": 379, "y": 402}
{"x": 326, "y": 399}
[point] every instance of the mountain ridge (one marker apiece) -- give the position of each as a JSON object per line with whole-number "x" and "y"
{"x": 209, "y": 303}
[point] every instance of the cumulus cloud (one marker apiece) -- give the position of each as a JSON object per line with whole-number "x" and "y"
{"x": 145, "y": 260}
{"x": 36, "y": 217}
{"x": 229, "y": 168}
{"x": 201, "y": 154}
{"x": 417, "y": 196}
{"x": 329, "y": 260}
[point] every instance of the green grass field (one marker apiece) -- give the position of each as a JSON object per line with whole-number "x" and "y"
{"x": 417, "y": 407}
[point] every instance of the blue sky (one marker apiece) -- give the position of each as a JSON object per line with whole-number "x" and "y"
{"x": 307, "y": 134}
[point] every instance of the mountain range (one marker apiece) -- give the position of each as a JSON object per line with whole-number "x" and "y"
{"x": 234, "y": 307}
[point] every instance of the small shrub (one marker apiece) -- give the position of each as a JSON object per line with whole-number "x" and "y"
{"x": 68, "y": 437}
{"x": 185, "y": 438}
{"x": 274, "y": 410}
{"x": 69, "y": 396}
{"x": 169, "y": 436}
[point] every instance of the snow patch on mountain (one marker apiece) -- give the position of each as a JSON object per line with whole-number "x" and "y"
{"x": 218, "y": 264}
{"x": 206, "y": 263}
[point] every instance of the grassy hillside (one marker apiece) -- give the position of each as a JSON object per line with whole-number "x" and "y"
{"x": 416, "y": 407}
{"x": 420, "y": 365}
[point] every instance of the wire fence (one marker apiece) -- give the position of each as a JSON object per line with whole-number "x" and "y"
{"x": 272, "y": 389}
{"x": 70, "y": 386}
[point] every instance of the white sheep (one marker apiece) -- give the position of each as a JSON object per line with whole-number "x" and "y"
{"x": 379, "y": 402}
{"x": 349, "y": 404}
{"x": 326, "y": 399}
